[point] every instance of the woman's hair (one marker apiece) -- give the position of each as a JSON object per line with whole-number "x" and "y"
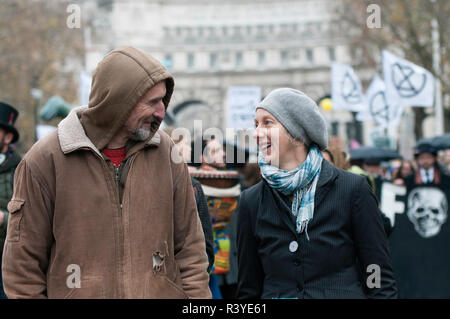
{"x": 397, "y": 173}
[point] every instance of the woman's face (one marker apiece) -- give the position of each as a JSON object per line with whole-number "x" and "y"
{"x": 406, "y": 169}
{"x": 272, "y": 138}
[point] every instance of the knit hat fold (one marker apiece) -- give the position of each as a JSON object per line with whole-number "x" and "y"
{"x": 299, "y": 114}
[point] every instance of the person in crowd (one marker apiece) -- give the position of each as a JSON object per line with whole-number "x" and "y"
{"x": 222, "y": 283}
{"x": 250, "y": 174}
{"x": 9, "y": 159}
{"x": 213, "y": 156}
{"x": 446, "y": 160}
{"x": 335, "y": 156}
{"x": 200, "y": 199}
{"x": 404, "y": 171}
{"x": 100, "y": 210}
{"x": 374, "y": 168}
{"x": 356, "y": 167}
{"x": 308, "y": 229}
{"x": 428, "y": 169}
{"x": 419, "y": 241}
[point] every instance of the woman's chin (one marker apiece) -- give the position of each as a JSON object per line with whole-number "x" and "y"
{"x": 271, "y": 160}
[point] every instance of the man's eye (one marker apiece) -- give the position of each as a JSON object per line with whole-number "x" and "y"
{"x": 267, "y": 122}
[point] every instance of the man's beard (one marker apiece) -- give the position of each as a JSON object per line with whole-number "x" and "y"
{"x": 140, "y": 134}
{"x": 143, "y": 133}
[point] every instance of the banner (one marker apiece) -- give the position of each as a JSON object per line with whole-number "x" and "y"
{"x": 241, "y": 104}
{"x": 419, "y": 242}
{"x": 346, "y": 89}
{"x": 406, "y": 82}
{"x": 383, "y": 111}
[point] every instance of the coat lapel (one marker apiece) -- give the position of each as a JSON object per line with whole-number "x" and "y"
{"x": 285, "y": 211}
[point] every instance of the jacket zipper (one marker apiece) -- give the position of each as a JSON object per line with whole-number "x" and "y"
{"x": 121, "y": 234}
{"x": 117, "y": 179}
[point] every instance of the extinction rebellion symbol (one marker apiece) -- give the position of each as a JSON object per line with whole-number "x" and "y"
{"x": 349, "y": 90}
{"x": 379, "y": 108}
{"x": 407, "y": 82}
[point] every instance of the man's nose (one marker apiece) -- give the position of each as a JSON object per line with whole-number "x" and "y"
{"x": 160, "y": 111}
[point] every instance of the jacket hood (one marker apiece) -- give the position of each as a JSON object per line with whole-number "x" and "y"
{"x": 119, "y": 82}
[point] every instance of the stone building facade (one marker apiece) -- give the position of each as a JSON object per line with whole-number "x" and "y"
{"x": 210, "y": 45}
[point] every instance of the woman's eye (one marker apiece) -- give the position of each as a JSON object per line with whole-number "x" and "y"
{"x": 267, "y": 122}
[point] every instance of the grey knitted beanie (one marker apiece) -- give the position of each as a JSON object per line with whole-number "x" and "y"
{"x": 299, "y": 114}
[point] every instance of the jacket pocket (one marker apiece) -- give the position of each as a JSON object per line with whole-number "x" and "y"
{"x": 15, "y": 218}
{"x": 91, "y": 287}
{"x": 161, "y": 287}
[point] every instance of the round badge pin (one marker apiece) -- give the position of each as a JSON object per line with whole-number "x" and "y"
{"x": 293, "y": 246}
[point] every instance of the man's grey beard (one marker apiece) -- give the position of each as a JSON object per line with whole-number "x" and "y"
{"x": 141, "y": 134}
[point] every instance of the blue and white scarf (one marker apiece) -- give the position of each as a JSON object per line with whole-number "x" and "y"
{"x": 301, "y": 181}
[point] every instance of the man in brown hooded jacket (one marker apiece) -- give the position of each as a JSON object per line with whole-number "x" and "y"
{"x": 90, "y": 221}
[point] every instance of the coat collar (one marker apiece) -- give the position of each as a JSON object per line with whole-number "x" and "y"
{"x": 72, "y": 136}
{"x": 328, "y": 174}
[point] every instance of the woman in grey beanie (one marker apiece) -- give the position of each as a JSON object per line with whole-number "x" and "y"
{"x": 308, "y": 229}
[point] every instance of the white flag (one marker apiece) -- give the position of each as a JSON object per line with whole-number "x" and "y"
{"x": 346, "y": 89}
{"x": 364, "y": 115}
{"x": 84, "y": 88}
{"x": 411, "y": 84}
{"x": 383, "y": 111}
{"x": 241, "y": 104}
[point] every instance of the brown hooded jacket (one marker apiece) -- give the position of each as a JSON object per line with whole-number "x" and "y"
{"x": 71, "y": 235}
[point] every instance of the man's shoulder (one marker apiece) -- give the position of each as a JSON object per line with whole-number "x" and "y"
{"x": 43, "y": 149}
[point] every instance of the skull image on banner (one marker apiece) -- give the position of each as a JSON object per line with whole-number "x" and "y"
{"x": 427, "y": 210}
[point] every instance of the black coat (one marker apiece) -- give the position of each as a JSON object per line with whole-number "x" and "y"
{"x": 346, "y": 235}
{"x": 203, "y": 214}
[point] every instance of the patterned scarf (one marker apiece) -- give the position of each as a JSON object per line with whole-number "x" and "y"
{"x": 301, "y": 181}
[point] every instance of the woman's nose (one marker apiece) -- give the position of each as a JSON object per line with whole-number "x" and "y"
{"x": 258, "y": 133}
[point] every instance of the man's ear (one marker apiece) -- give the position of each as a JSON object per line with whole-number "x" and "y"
{"x": 8, "y": 138}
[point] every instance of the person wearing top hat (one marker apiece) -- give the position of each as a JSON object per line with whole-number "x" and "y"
{"x": 9, "y": 159}
{"x": 428, "y": 171}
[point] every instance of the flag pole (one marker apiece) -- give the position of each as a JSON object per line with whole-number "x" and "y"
{"x": 439, "y": 116}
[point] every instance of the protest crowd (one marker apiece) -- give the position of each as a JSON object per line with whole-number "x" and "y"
{"x": 152, "y": 213}
{"x": 225, "y": 150}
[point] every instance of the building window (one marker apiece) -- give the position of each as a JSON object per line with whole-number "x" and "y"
{"x": 200, "y": 31}
{"x": 238, "y": 59}
{"x": 332, "y": 54}
{"x": 190, "y": 61}
{"x": 335, "y": 128}
{"x": 261, "y": 58}
{"x": 284, "y": 58}
{"x": 310, "y": 55}
{"x": 213, "y": 60}
{"x": 225, "y": 31}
